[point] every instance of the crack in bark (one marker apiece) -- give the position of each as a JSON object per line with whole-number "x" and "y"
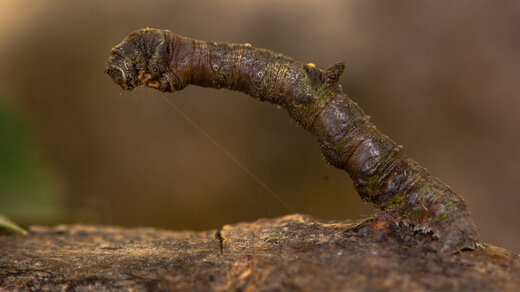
{"x": 220, "y": 238}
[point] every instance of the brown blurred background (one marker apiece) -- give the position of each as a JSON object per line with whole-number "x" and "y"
{"x": 440, "y": 77}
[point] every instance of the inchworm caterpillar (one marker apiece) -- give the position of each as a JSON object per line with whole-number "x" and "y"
{"x": 381, "y": 172}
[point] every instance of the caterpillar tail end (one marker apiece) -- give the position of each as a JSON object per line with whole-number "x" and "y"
{"x": 460, "y": 235}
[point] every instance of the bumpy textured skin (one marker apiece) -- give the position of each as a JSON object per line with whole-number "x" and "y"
{"x": 381, "y": 172}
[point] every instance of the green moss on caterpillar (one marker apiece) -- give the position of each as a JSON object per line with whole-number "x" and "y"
{"x": 381, "y": 172}
{"x": 395, "y": 199}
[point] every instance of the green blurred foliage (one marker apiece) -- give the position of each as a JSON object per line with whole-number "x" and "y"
{"x": 28, "y": 189}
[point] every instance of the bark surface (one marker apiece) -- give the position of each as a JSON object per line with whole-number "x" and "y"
{"x": 292, "y": 253}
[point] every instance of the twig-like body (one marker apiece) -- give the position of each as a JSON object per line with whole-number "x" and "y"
{"x": 381, "y": 172}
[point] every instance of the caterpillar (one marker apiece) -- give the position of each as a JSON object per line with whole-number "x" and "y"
{"x": 382, "y": 173}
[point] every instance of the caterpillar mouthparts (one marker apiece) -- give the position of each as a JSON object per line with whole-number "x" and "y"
{"x": 122, "y": 71}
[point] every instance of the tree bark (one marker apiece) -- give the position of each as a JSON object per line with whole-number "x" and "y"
{"x": 292, "y": 253}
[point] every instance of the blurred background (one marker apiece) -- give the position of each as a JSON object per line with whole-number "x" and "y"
{"x": 439, "y": 77}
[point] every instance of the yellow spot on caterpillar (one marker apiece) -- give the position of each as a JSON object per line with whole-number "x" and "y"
{"x": 147, "y": 28}
{"x": 311, "y": 65}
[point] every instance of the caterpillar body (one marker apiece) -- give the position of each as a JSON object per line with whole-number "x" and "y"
{"x": 382, "y": 173}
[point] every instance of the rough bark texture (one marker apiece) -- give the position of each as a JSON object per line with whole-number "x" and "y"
{"x": 293, "y": 253}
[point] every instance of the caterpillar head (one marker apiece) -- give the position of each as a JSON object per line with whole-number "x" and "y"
{"x": 141, "y": 58}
